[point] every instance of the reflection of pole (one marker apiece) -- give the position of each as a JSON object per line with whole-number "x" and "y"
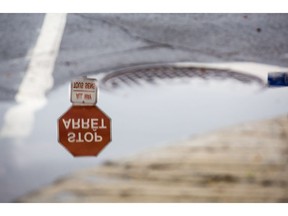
{"x": 278, "y": 79}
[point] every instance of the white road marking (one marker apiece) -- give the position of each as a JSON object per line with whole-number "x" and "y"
{"x": 19, "y": 119}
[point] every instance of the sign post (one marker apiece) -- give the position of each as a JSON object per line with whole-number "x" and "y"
{"x": 84, "y": 130}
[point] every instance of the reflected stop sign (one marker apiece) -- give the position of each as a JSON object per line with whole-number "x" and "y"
{"x": 84, "y": 130}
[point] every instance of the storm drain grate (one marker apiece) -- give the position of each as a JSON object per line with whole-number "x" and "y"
{"x": 150, "y": 74}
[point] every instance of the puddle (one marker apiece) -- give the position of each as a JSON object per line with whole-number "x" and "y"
{"x": 144, "y": 116}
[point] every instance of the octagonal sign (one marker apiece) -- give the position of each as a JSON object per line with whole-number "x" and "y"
{"x": 84, "y": 130}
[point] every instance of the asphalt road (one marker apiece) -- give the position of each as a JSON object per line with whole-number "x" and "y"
{"x": 99, "y": 42}
{"x": 18, "y": 35}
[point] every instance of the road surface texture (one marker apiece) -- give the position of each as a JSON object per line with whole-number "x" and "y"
{"x": 90, "y": 43}
{"x": 98, "y": 42}
{"x": 41, "y": 53}
{"x": 18, "y": 35}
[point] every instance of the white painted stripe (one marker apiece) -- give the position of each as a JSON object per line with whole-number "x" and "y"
{"x": 19, "y": 119}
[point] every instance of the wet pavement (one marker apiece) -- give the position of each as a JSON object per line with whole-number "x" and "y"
{"x": 99, "y": 42}
{"x": 145, "y": 116}
{"x": 89, "y": 43}
{"x": 18, "y": 35}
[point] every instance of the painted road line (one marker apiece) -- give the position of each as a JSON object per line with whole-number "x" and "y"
{"x": 19, "y": 119}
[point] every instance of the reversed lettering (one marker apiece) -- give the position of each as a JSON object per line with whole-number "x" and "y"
{"x": 82, "y": 137}
{"x": 86, "y": 124}
{"x": 66, "y": 123}
{"x": 79, "y": 95}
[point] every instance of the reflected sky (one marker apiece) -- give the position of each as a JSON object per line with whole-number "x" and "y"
{"x": 143, "y": 117}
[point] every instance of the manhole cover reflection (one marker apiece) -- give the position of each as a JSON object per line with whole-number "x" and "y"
{"x": 154, "y": 73}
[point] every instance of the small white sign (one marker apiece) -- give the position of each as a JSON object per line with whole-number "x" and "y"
{"x": 84, "y": 91}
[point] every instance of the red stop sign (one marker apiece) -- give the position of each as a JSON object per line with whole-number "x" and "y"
{"x": 84, "y": 130}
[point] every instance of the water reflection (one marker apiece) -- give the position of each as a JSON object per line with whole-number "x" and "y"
{"x": 144, "y": 116}
{"x": 153, "y": 73}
